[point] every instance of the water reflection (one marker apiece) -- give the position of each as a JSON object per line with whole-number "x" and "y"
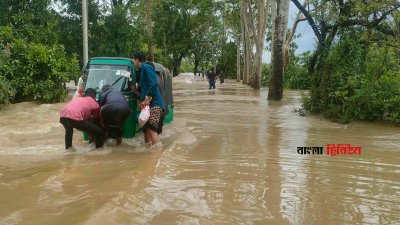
{"x": 273, "y": 193}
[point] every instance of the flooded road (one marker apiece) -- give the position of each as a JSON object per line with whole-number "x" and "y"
{"x": 229, "y": 157}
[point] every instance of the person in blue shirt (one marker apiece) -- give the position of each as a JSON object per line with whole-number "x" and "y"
{"x": 149, "y": 95}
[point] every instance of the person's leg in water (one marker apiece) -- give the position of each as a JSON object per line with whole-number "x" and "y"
{"x": 147, "y": 139}
{"x": 118, "y": 135}
{"x": 69, "y": 132}
{"x": 212, "y": 84}
{"x": 154, "y": 137}
{"x": 155, "y": 121}
{"x": 90, "y": 128}
{"x": 122, "y": 113}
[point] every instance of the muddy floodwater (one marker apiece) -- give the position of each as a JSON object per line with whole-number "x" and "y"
{"x": 229, "y": 157}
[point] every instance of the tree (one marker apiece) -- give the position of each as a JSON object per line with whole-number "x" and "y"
{"x": 328, "y": 18}
{"x": 262, "y": 17}
{"x": 69, "y": 13}
{"x": 227, "y": 60}
{"x": 353, "y": 70}
{"x": 233, "y": 26}
{"x": 245, "y": 19}
{"x": 288, "y": 43}
{"x": 149, "y": 27}
{"x": 280, "y": 11}
{"x": 32, "y": 60}
{"x": 181, "y": 26}
{"x": 115, "y": 27}
{"x": 254, "y": 19}
{"x": 30, "y": 20}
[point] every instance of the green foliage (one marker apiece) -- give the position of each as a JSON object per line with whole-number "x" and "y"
{"x": 227, "y": 61}
{"x": 357, "y": 81}
{"x": 187, "y": 65}
{"x": 35, "y": 70}
{"x": 266, "y": 71}
{"x": 7, "y": 92}
{"x": 114, "y": 30}
{"x": 295, "y": 75}
{"x": 33, "y": 64}
{"x": 116, "y": 36}
{"x": 31, "y": 20}
{"x": 187, "y": 27}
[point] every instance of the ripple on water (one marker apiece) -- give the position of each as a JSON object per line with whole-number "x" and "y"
{"x": 12, "y": 219}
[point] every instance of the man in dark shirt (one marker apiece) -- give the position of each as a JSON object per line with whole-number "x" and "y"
{"x": 211, "y": 79}
{"x": 114, "y": 110}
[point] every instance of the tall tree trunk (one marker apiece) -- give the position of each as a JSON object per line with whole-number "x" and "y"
{"x": 280, "y": 21}
{"x": 175, "y": 71}
{"x": 250, "y": 41}
{"x": 177, "y": 65}
{"x": 237, "y": 58}
{"x": 196, "y": 65}
{"x": 224, "y": 40}
{"x": 262, "y": 15}
{"x": 149, "y": 27}
{"x": 320, "y": 54}
{"x": 245, "y": 40}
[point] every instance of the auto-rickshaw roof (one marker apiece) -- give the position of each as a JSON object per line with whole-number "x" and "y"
{"x": 111, "y": 61}
{"x": 158, "y": 67}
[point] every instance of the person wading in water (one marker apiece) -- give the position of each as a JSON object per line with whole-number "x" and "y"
{"x": 149, "y": 95}
{"x": 84, "y": 115}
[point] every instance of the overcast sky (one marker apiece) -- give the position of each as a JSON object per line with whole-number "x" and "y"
{"x": 307, "y": 40}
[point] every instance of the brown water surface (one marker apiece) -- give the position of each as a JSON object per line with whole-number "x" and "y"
{"x": 229, "y": 157}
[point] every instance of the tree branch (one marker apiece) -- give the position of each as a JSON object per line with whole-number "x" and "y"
{"x": 309, "y": 19}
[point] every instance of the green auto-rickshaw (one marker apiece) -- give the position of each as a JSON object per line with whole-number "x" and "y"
{"x": 121, "y": 74}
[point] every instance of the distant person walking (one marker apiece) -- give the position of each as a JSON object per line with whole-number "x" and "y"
{"x": 222, "y": 77}
{"x": 84, "y": 115}
{"x": 212, "y": 76}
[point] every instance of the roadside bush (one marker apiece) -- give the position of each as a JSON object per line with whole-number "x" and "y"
{"x": 357, "y": 82}
{"x": 36, "y": 71}
{"x": 296, "y": 77}
{"x": 7, "y": 93}
{"x": 266, "y": 70}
